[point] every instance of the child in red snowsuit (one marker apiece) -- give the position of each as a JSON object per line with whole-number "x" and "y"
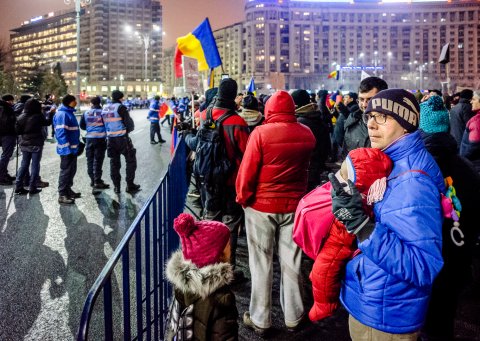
{"x": 367, "y": 168}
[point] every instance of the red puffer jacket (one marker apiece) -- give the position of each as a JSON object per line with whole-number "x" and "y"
{"x": 273, "y": 175}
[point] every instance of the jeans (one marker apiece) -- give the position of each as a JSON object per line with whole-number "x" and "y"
{"x": 68, "y": 169}
{"x": 95, "y": 152}
{"x": 155, "y": 129}
{"x": 117, "y": 146}
{"x": 266, "y": 231}
{"x": 34, "y": 155}
{"x": 8, "y": 145}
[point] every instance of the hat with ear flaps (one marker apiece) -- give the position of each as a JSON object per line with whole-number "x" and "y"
{"x": 203, "y": 241}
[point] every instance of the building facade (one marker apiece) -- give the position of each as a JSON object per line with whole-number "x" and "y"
{"x": 120, "y": 46}
{"x": 303, "y": 41}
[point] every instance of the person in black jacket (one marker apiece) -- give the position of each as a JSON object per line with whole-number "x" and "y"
{"x": 459, "y": 242}
{"x": 460, "y": 114}
{"x": 29, "y": 126}
{"x": 307, "y": 113}
{"x": 8, "y": 138}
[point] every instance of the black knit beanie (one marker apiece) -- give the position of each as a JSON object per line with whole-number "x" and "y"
{"x": 250, "y": 102}
{"x": 400, "y": 104}
{"x": 117, "y": 95}
{"x": 227, "y": 89}
{"x": 301, "y": 98}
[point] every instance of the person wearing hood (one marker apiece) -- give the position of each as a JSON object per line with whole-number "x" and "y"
{"x": 18, "y": 107}
{"x": 250, "y": 112}
{"x": 460, "y": 114}
{"x": 307, "y": 113}
{"x": 29, "y": 127}
{"x": 118, "y": 125}
{"x": 387, "y": 286}
{"x": 218, "y": 199}
{"x": 458, "y": 240}
{"x": 271, "y": 180}
{"x": 470, "y": 145}
{"x": 68, "y": 140}
{"x": 203, "y": 305}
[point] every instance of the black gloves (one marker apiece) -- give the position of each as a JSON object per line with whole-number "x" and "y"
{"x": 348, "y": 208}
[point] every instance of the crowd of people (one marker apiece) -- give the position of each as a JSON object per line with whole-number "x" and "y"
{"x": 401, "y": 240}
{"x": 400, "y": 227}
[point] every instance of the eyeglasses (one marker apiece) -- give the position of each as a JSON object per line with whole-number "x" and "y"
{"x": 378, "y": 118}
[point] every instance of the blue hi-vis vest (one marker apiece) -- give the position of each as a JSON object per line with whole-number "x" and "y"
{"x": 67, "y": 131}
{"x": 94, "y": 121}
{"x": 153, "y": 113}
{"x": 113, "y": 121}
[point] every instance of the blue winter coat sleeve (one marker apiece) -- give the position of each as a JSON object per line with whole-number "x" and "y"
{"x": 407, "y": 240}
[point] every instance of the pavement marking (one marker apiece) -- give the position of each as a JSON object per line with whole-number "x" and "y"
{"x": 136, "y": 132}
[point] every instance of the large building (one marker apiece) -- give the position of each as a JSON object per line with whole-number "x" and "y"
{"x": 120, "y": 46}
{"x": 305, "y": 40}
{"x": 42, "y": 42}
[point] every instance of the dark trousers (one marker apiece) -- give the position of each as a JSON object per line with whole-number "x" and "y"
{"x": 95, "y": 151}
{"x": 8, "y": 145}
{"x": 167, "y": 118}
{"x": 117, "y": 146}
{"x": 68, "y": 169}
{"x": 155, "y": 129}
{"x": 34, "y": 155}
{"x": 220, "y": 205}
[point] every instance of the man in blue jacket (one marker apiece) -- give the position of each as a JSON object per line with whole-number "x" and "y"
{"x": 119, "y": 124}
{"x": 96, "y": 145}
{"x": 388, "y": 285}
{"x": 68, "y": 139}
{"x": 154, "y": 121}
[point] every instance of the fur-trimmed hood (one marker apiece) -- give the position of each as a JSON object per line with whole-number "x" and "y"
{"x": 310, "y": 107}
{"x": 188, "y": 278}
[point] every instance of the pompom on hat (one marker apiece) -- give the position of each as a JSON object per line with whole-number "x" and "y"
{"x": 202, "y": 241}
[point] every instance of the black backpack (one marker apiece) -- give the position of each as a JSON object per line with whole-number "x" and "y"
{"x": 211, "y": 165}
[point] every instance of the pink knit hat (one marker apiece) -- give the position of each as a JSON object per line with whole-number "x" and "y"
{"x": 202, "y": 241}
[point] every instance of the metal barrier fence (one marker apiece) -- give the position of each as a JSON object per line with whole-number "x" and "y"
{"x": 134, "y": 275}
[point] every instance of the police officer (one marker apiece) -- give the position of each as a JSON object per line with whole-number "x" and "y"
{"x": 154, "y": 121}
{"x": 118, "y": 124}
{"x": 96, "y": 145}
{"x": 68, "y": 140}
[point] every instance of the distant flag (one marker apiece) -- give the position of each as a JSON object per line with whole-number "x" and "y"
{"x": 174, "y": 136}
{"x": 165, "y": 110}
{"x": 200, "y": 45}
{"x": 334, "y": 74}
{"x": 251, "y": 87}
{"x": 364, "y": 75}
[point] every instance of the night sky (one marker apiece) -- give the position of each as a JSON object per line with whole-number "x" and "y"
{"x": 179, "y": 16}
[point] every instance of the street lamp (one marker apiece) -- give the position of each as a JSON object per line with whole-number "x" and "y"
{"x": 375, "y": 60}
{"x": 146, "y": 41}
{"x": 78, "y": 4}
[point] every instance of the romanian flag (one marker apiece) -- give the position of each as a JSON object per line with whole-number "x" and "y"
{"x": 200, "y": 45}
{"x": 334, "y": 74}
{"x": 165, "y": 110}
{"x": 251, "y": 87}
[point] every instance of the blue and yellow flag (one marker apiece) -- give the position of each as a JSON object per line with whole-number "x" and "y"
{"x": 251, "y": 87}
{"x": 200, "y": 45}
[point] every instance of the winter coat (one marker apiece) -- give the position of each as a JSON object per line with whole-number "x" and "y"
{"x": 66, "y": 131}
{"x": 344, "y": 114}
{"x": 235, "y": 134}
{"x": 7, "y": 119}
{"x": 309, "y": 116}
{"x": 30, "y": 125}
{"x": 388, "y": 285}
{"x": 206, "y": 291}
{"x": 356, "y": 132}
{"x": 273, "y": 174}
{"x": 459, "y": 116}
{"x": 470, "y": 146}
